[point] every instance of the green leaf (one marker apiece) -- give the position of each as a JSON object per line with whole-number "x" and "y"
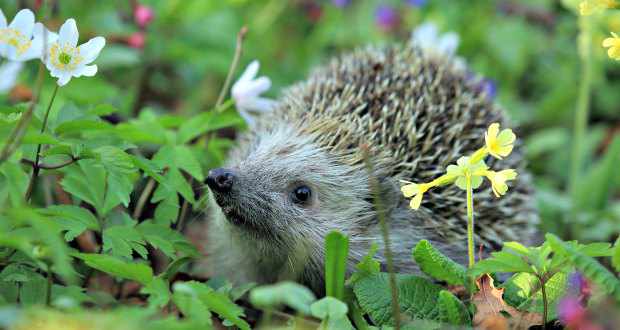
{"x": 118, "y": 267}
{"x": 501, "y": 262}
{"x": 591, "y": 268}
{"x": 186, "y": 161}
{"x": 174, "y": 267}
{"x": 290, "y": 294}
{"x": 615, "y": 259}
{"x": 165, "y": 239}
{"x": 367, "y": 266}
{"x": 186, "y": 299}
{"x": 452, "y": 310}
{"x": 102, "y": 110}
{"x": 13, "y": 184}
{"x": 206, "y": 122}
{"x": 523, "y": 291}
{"x": 336, "y": 251}
{"x": 74, "y": 219}
{"x": 417, "y": 296}
{"x": 120, "y": 241}
{"x": 158, "y": 291}
{"x": 333, "y": 312}
{"x": 81, "y": 125}
{"x": 214, "y": 301}
{"x": 437, "y": 265}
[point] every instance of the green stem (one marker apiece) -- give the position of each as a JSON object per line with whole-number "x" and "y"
{"x": 583, "y": 105}
{"x": 545, "y": 301}
{"x": 35, "y": 167}
{"x": 470, "y": 222}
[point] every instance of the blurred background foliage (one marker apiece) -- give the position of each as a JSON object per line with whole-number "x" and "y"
{"x": 176, "y": 65}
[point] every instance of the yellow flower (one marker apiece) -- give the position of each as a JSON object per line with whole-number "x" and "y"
{"x": 416, "y": 191}
{"x": 614, "y": 46}
{"x": 499, "y": 144}
{"x": 498, "y": 180}
{"x": 464, "y": 170}
{"x": 590, "y": 7}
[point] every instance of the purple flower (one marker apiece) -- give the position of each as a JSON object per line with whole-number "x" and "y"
{"x": 570, "y": 311}
{"x": 578, "y": 286}
{"x": 489, "y": 86}
{"x": 386, "y": 17}
{"x": 416, "y": 3}
{"x": 341, "y": 3}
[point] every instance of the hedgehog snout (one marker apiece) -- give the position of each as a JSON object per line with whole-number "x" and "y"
{"x": 220, "y": 180}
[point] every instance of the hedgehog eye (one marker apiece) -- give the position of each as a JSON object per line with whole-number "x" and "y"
{"x": 301, "y": 194}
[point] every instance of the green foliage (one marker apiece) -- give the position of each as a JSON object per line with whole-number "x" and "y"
{"x": 452, "y": 310}
{"x": 418, "y": 298}
{"x": 336, "y": 252}
{"x": 437, "y": 265}
{"x": 118, "y": 267}
{"x": 332, "y": 312}
{"x": 290, "y": 294}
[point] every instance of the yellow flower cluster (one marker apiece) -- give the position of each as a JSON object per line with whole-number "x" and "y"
{"x": 472, "y": 169}
{"x": 589, "y": 7}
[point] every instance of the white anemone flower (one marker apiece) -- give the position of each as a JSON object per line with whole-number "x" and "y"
{"x": 22, "y": 39}
{"x": 246, "y": 93}
{"x": 9, "y": 72}
{"x": 65, "y": 59}
{"x": 428, "y": 38}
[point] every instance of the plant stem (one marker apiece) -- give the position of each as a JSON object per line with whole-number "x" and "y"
{"x": 143, "y": 198}
{"x": 545, "y": 302}
{"x": 35, "y": 167}
{"x": 584, "y": 44}
{"x": 14, "y": 140}
{"x": 470, "y": 222}
{"x": 50, "y": 282}
{"x": 378, "y": 203}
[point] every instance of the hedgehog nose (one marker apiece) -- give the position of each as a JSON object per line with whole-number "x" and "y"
{"x": 220, "y": 179}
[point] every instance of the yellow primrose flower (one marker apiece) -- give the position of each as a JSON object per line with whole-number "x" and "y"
{"x": 614, "y": 46}
{"x": 464, "y": 170}
{"x": 590, "y": 7}
{"x": 416, "y": 191}
{"x": 499, "y": 144}
{"x": 498, "y": 180}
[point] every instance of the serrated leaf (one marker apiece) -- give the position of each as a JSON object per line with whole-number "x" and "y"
{"x": 158, "y": 291}
{"x": 121, "y": 241}
{"x": 453, "y": 311}
{"x": 162, "y": 237}
{"x": 74, "y": 219}
{"x": 367, "y": 266}
{"x": 167, "y": 211}
{"x": 591, "y": 268}
{"x": 437, "y": 265}
{"x": 501, "y": 262}
{"x": 118, "y": 267}
{"x": 417, "y": 297}
{"x": 185, "y": 160}
{"x": 290, "y": 294}
{"x": 336, "y": 251}
{"x": 192, "y": 307}
{"x": 205, "y": 122}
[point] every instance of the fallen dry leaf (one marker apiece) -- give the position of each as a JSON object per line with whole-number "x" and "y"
{"x": 490, "y": 304}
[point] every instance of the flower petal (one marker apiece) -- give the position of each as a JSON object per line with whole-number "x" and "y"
{"x": 493, "y": 130}
{"x": 608, "y": 42}
{"x": 88, "y": 71}
{"x": 416, "y": 201}
{"x": 64, "y": 78}
{"x": 262, "y": 104}
{"x": 410, "y": 189}
{"x": 91, "y": 49}
{"x": 2, "y": 20}
{"x": 68, "y": 33}
{"x": 250, "y": 72}
{"x": 23, "y": 22}
{"x": 8, "y": 75}
{"x": 425, "y": 35}
{"x": 448, "y": 43}
{"x": 506, "y": 136}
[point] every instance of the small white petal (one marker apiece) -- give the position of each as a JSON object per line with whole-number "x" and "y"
{"x": 250, "y": 72}
{"x": 8, "y": 75}
{"x": 2, "y": 20}
{"x": 88, "y": 71}
{"x": 448, "y": 43}
{"x": 262, "y": 104}
{"x": 247, "y": 117}
{"x": 64, "y": 79}
{"x": 425, "y": 35}
{"x": 252, "y": 88}
{"x": 23, "y": 22}
{"x": 91, "y": 49}
{"x": 68, "y": 33}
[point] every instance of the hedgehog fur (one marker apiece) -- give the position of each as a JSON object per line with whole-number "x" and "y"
{"x": 418, "y": 113}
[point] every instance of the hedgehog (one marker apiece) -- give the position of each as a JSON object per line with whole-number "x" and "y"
{"x": 300, "y": 173}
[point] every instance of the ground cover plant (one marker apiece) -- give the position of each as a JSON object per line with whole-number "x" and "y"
{"x": 112, "y": 113}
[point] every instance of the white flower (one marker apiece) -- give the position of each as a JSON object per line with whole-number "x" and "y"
{"x": 65, "y": 59}
{"x": 22, "y": 40}
{"x": 246, "y": 93}
{"x": 8, "y": 75}
{"x": 428, "y": 38}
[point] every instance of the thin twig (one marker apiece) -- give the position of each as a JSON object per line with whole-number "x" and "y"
{"x": 51, "y": 166}
{"x": 545, "y": 302}
{"x": 380, "y": 209}
{"x": 218, "y": 105}
{"x": 35, "y": 166}
{"x": 148, "y": 189}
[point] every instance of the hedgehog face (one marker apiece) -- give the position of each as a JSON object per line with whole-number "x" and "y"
{"x": 284, "y": 184}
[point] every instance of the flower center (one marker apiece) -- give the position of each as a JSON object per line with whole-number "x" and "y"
{"x": 64, "y": 58}
{"x": 16, "y": 39}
